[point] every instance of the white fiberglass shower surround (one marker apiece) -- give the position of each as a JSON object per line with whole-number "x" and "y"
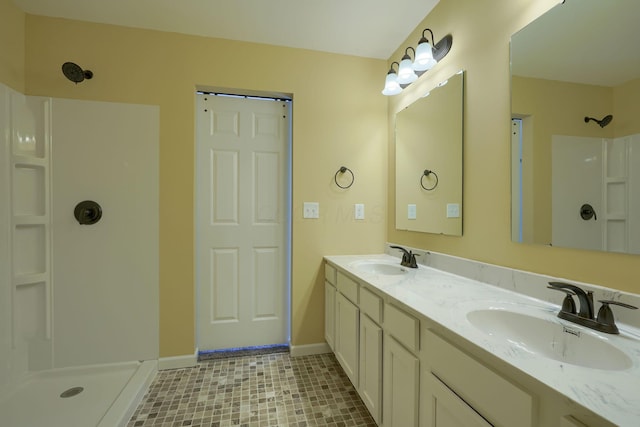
{"x": 78, "y": 302}
{"x": 600, "y": 174}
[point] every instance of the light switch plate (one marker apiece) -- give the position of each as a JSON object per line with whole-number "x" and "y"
{"x": 311, "y": 210}
{"x": 411, "y": 212}
{"x": 453, "y": 210}
{"x": 359, "y": 211}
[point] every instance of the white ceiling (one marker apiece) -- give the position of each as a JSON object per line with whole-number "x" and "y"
{"x": 368, "y": 28}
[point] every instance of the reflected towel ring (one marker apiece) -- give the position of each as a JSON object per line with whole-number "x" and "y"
{"x": 344, "y": 169}
{"x": 426, "y": 173}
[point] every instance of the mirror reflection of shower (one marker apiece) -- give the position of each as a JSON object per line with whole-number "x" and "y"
{"x": 602, "y": 123}
{"x": 75, "y": 73}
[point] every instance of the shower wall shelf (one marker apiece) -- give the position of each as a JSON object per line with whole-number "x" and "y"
{"x": 616, "y": 195}
{"x": 30, "y": 222}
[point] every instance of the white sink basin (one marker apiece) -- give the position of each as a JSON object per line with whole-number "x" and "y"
{"x": 379, "y": 267}
{"x": 548, "y": 337}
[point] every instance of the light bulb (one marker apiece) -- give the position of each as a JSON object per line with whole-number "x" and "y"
{"x": 424, "y": 57}
{"x": 406, "y": 74}
{"x": 391, "y": 86}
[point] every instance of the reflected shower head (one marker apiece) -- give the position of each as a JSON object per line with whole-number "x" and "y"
{"x": 605, "y": 120}
{"x": 75, "y": 73}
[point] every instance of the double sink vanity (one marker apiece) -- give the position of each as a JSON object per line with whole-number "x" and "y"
{"x": 425, "y": 347}
{"x": 454, "y": 342}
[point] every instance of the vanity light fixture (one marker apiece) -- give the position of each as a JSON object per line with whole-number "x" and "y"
{"x": 391, "y": 85}
{"x": 426, "y": 57}
{"x": 406, "y": 73}
{"x": 424, "y": 54}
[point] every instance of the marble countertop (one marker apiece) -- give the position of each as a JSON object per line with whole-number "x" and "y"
{"x": 446, "y": 299}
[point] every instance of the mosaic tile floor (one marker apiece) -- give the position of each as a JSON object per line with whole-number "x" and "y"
{"x": 254, "y": 391}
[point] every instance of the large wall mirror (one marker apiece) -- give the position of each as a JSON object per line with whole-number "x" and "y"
{"x": 428, "y": 137}
{"x": 575, "y": 81}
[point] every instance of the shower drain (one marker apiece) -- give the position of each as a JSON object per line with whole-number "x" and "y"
{"x": 71, "y": 392}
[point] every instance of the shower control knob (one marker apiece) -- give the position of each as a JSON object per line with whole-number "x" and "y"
{"x": 87, "y": 212}
{"x": 587, "y": 212}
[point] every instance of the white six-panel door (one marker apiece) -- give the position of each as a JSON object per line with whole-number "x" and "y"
{"x": 241, "y": 221}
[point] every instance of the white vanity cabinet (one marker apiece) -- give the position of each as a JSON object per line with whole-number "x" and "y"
{"x": 447, "y": 409}
{"x": 460, "y": 391}
{"x": 329, "y": 304}
{"x": 569, "y": 421}
{"x": 363, "y": 332}
{"x": 412, "y": 369}
{"x": 401, "y": 394}
{"x": 347, "y": 327}
{"x": 401, "y": 385}
{"x": 370, "y": 378}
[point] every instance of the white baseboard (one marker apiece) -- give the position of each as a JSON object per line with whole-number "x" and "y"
{"x": 309, "y": 349}
{"x": 177, "y": 362}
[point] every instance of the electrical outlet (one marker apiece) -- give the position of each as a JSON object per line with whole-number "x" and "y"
{"x": 359, "y": 211}
{"x": 453, "y": 210}
{"x": 411, "y": 211}
{"x": 311, "y": 210}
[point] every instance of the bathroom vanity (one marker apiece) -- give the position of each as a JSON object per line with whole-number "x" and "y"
{"x": 424, "y": 347}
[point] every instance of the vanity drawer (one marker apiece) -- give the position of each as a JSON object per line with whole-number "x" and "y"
{"x": 371, "y": 305}
{"x": 348, "y": 288}
{"x": 329, "y": 273}
{"x": 506, "y": 404}
{"x": 403, "y": 326}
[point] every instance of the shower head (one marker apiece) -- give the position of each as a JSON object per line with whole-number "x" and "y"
{"x": 75, "y": 73}
{"x": 605, "y": 120}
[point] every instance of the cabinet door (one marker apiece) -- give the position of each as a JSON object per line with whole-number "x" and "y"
{"x": 401, "y": 385}
{"x": 569, "y": 421}
{"x": 329, "y": 313}
{"x": 448, "y": 410}
{"x": 371, "y": 366}
{"x": 346, "y": 337}
{"x": 496, "y": 398}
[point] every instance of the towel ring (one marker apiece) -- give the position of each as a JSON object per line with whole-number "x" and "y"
{"x": 344, "y": 169}
{"x": 426, "y": 173}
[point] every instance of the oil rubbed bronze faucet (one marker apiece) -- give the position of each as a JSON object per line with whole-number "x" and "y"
{"x": 603, "y": 322}
{"x": 408, "y": 257}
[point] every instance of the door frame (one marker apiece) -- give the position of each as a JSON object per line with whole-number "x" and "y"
{"x": 288, "y": 203}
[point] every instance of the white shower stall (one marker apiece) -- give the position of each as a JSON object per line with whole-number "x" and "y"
{"x": 79, "y": 325}
{"x": 602, "y": 173}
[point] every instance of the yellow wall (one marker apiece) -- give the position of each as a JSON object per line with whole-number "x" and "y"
{"x": 626, "y": 108}
{"x": 338, "y": 119}
{"x": 12, "y": 24}
{"x": 481, "y": 32}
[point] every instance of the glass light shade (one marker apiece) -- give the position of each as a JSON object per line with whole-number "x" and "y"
{"x": 406, "y": 74}
{"x": 391, "y": 86}
{"x": 424, "y": 57}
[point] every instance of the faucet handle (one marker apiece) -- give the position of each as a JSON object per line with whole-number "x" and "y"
{"x": 605, "y": 315}
{"x": 412, "y": 260}
{"x": 568, "y": 304}
{"x": 621, "y": 304}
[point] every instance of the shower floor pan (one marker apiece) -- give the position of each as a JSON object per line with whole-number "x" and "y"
{"x": 109, "y": 396}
